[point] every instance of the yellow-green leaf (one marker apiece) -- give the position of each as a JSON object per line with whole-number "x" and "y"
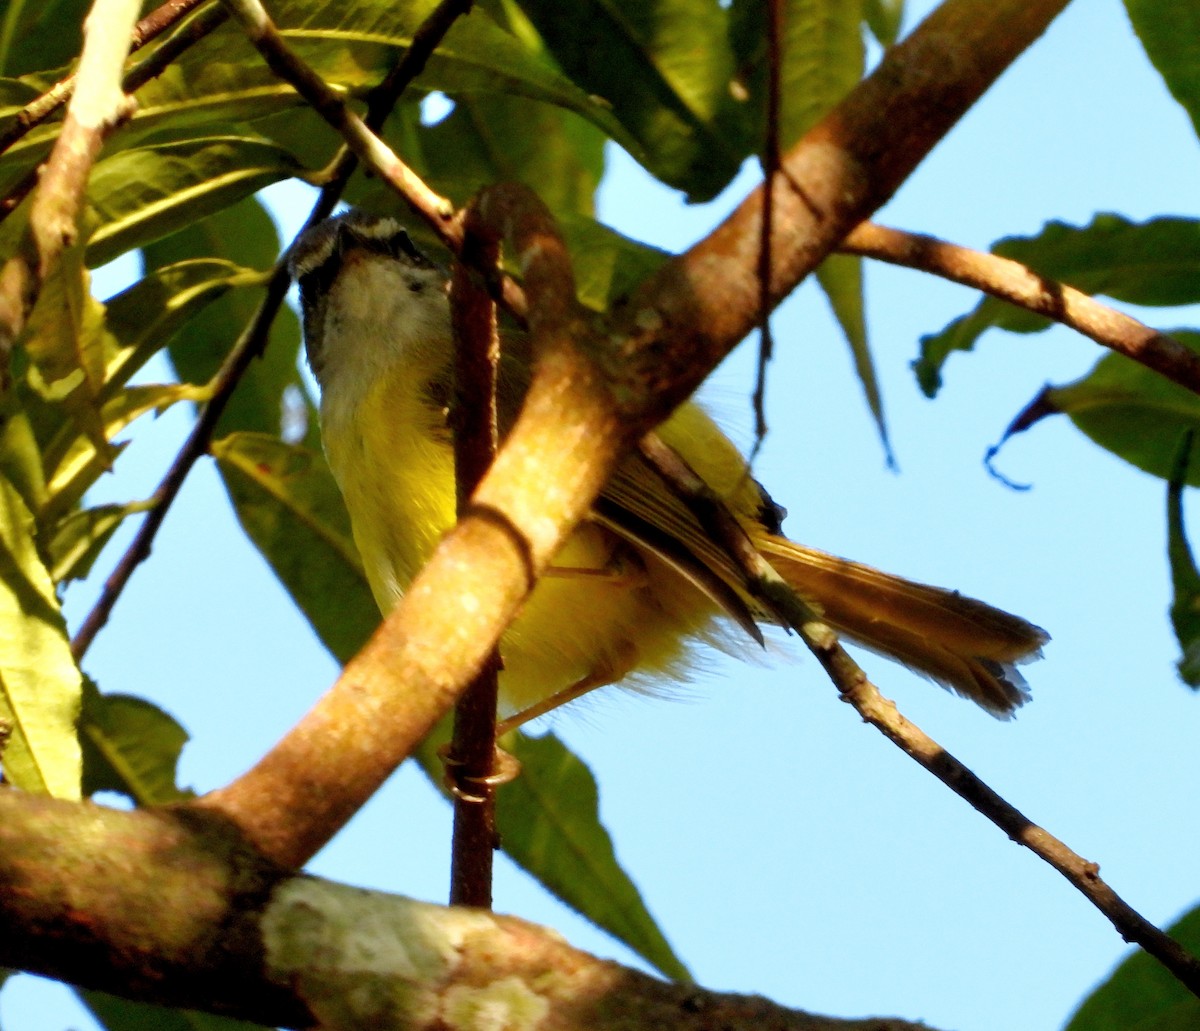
{"x": 40, "y": 685}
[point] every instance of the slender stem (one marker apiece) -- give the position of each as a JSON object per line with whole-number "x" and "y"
{"x": 472, "y": 756}
{"x": 1016, "y": 283}
{"x": 771, "y": 161}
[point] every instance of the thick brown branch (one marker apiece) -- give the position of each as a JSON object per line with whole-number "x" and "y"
{"x": 691, "y": 313}
{"x": 1013, "y": 282}
{"x": 167, "y": 906}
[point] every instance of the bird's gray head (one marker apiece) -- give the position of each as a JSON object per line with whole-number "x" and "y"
{"x": 360, "y": 267}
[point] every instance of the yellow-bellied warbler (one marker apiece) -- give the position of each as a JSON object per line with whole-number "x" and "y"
{"x": 639, "y": 581}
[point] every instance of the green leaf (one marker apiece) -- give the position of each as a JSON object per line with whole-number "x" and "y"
{"x": 125, "y": 1015}
{"x": 607, "y": 264}
{"x": 40, "y": 684}
{"x": 81, "y": 463}
{"x": 65, "y": 340}
{"x": 840, "y": 276}
{"x": 665, "y": 67}
{"x": 1155, "y": 263}
{"x": 289, "y": 506}
{"x": 141, "y": 195}
{"x": 131, "y": 747}
{"x": 499, "y": 138}
{"x": 79, "y": 538}
{"x": 549, "y": 820}
{"x": 1141, "y": 995}
{"x": 1126, "y": 408}
{"x": 244, "y": 233}
{"x": 142, "y": 319}
{"x": 40, "y": 33}
{"x": 884, "y": 18}
{"x": 1170, "y": 32}
{"x": 1185, "y": 577}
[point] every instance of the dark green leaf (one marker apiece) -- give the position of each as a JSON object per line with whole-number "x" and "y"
{"x": 243, "y": 233}
{"x": 1141, "y": 995}
{"x": 607, "y": 265}
{"x": 1155, "y": 263}
{"x": 497, "y": 138}
{"x": 840, "y": 276}
{"x": 884, "y": 18}
{"x": 291, "y": 509}
{"x": 1185, "y": 578}
{"x": 36, "y": 34}
{"x": 1170, "y": 32}
{"x": 39, "y": 681}
{"x": 130, "y": 746}
{"x": 549, "y": 823}
{"x": 1128, "y": 409}
{"x": 125, "y": 1015}
{"x": 665, "y": 67}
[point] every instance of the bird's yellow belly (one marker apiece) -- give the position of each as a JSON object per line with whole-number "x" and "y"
{"x": 604, "y": 611}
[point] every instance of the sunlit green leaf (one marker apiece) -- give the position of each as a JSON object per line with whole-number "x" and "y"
{"x": 1155, "y": 263}
{"x": 142, "y": 319}
{"x": 78, "y": 539}
{"x": 1170, "y": 32}
{"x": 39, "y": 682}
{"x": 65, "y": 339}
{"x": 131, "y": 747}
{"x": 1185, "y": 577}
{"x": 80, "y": 464}
{"x": 607, "y": 264}
{"x": 1128, "y": 409}
{"x": 1142, "y": 995}
{"x": 141, "y": 195}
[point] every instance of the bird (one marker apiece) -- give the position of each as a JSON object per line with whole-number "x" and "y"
{"x": 640, "y": 584}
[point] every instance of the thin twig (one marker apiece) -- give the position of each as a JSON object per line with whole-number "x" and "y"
{"x": 1016, "y": 283}
{"x": 771, "y": 161}
{"x": 472, "y": 756}
{"x": 854, "y": 687}
{"x": 380, "y": 102}
{"x": 376, "y": 154}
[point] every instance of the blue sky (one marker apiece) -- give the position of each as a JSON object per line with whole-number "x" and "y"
{"x": 786, "y": 848}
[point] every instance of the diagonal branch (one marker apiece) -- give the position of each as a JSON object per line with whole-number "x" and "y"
{"x": 1016, "y": 283}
